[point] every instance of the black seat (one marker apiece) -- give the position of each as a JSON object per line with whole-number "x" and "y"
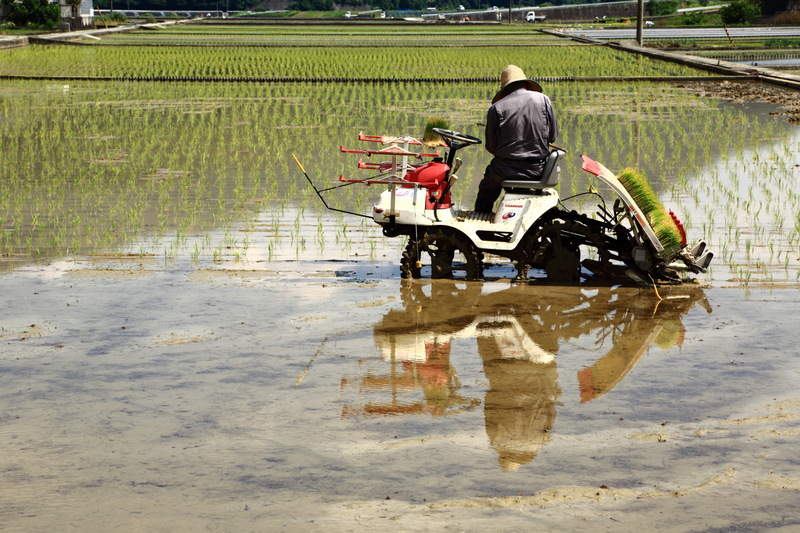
{"x": 549, "y": 177}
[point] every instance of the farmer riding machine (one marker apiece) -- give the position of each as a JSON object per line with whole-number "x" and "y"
{"x": 635, "y": 240}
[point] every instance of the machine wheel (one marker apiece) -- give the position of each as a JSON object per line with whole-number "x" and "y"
{"x": 408, "y": 261}
{"x": 555, "y": 246}
{"x": 441, "y": 245}
{"x": 561, "y": 256}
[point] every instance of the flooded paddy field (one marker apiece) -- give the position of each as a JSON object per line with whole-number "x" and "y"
{"x": 203, "y": 172}
{"x": 332, "y": 395}
{"x": 191, "y": 342}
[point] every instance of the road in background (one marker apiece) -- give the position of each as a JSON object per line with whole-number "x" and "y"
{"x": 687, "y": 33}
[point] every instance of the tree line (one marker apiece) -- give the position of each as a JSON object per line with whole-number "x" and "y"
{"x": 176, "y": 5}
{"x": 315, "y": 5}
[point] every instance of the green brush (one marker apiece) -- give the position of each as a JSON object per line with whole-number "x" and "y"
{"x": 431, "y": 138}
{"x": 663, "y": 224}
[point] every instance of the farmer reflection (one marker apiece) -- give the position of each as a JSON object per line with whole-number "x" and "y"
{"x": 520, "y": 405}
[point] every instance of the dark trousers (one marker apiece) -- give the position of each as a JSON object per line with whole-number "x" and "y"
{"x": 498, "y": 171}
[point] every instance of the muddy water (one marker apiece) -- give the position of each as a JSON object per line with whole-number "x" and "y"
{"x": 331, "y": 395}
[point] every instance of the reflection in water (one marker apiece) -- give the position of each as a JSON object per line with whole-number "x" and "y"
{"x": 518, "y": 331}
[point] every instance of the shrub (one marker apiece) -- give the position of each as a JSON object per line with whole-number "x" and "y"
{"x": 694, "y": 19}
{"x": 782, "y": 43}
{"x": 739, "y": 12}
{"x": 662, "y": 7}
{"x": 312, "y": 5}
{"x": 116, "y": 16}
{"x": 35, "y": 13}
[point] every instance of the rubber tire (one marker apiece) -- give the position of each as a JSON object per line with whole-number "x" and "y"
{"x": 441, "y": 245}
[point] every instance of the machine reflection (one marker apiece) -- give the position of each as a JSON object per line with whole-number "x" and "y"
{"x": 519, "y": 331}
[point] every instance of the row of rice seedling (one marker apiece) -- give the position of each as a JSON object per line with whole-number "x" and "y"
{"x": 739, "y": 192}
{"x": 154, "y": 168}
{"x": 408, "y": 36}
{"x": 322, "y": 39}
{"x": 220, "y": 27}
{"x": 325, "y": 62}
{"x": 746, "y": 202}
{"x": 674, "y": 137}
{"x": 748, "y": 55}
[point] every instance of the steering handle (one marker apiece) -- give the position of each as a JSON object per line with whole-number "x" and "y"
{"x": 461, "y": 138}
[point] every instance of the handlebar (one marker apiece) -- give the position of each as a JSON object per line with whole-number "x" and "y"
{"x": 451, "y": 136}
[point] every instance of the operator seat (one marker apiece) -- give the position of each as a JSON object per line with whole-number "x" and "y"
{"x": 549, "y": 177}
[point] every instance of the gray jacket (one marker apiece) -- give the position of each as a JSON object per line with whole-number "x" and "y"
{"x": 519, "y": 128}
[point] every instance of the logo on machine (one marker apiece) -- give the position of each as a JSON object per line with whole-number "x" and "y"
{"x": 506, "y": 216}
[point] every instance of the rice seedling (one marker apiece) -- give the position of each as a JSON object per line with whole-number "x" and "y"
{"x": 313, "y": 62}
{"x": 175, "y": 167}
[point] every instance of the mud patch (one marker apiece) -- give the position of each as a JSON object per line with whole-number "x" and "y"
{"x": 244, "y": 276}
{"x": 23, "y": 333}
{"x": 185, "y": 337}
{"x": 788, "y": 100}
{"x": 108, "y": 273}
{"x": 602, "y": 494}
{"x": 783, "y": 411}
{"x": 779, "y": 483}
{"x": 655, "y": 437}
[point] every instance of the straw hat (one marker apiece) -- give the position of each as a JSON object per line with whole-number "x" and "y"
{"x": 511, "y": 76}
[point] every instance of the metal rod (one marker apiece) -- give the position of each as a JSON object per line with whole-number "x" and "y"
{"x": 319, "y": 193}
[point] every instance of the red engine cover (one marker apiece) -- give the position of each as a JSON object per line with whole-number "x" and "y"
{"x": 429, "y": 176}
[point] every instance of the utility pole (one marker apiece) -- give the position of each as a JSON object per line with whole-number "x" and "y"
{"x": 510, "y": 3}
{"x": 639, "y": 22}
